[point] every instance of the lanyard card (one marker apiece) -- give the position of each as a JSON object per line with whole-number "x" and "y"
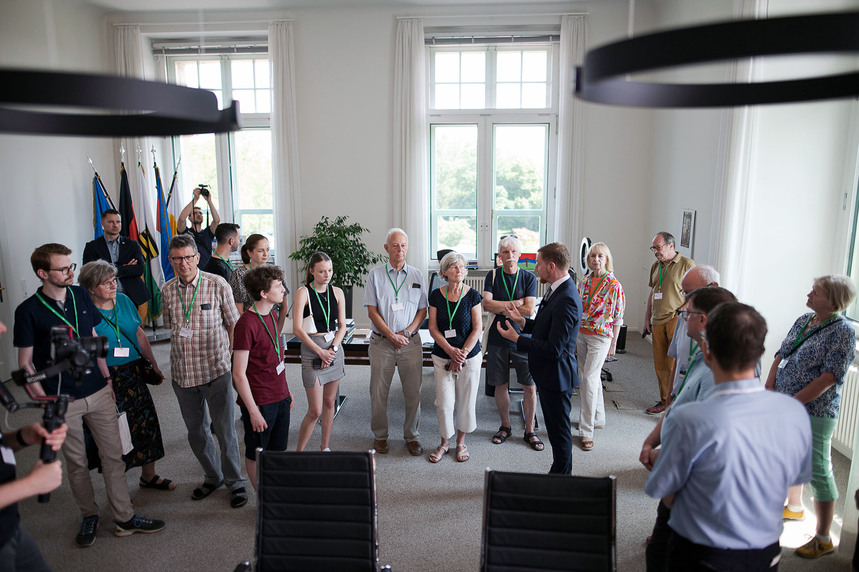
{"x": 280, "y": 368}
{"x": 450, "y": 333}
{"x": 397, "y": 306}
{"x": 186, "y": 332}
{"x": 329, "y": 336}
{"x": 121, "y": 352}
{"x": 657, "y": 295}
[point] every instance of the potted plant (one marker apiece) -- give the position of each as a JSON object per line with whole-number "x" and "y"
{"x": 350, "y": 258}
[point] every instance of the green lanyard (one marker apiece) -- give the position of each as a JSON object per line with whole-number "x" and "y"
{"x": 688, "y": 371}
{"x": 396, "y": 288}
{"x": 325, "y": 313}
{"x": 227, "y": 262}
{"x": 187, "y": 309}
{"x": 515, "y": 282}
{"x": 799, "y": 341}
{"x": 693, "y": 347}
{"x": 455, "y": 308}
{"x": 114, "y": 323}
{"x": 60, "y": 316}
{"x": 594, "y": 290}
{"x": 274, "y": 339}
{"x": 661, "y": 276}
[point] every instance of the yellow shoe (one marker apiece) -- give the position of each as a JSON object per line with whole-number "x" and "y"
{"x": 790, "y": 515}
{"x": 814, "y": 548}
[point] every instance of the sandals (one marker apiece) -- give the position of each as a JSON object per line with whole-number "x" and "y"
{"x": 502, "y": 435}
{"x": 587, "y": 443}
{"x": 461, "y": 453}
{"x": 536, "y": 444}
{"x": 158, "y": 483}
{"x": 238, "y": 497}
{"x": 205, "y": 490}
{"x": 439, "y": 453}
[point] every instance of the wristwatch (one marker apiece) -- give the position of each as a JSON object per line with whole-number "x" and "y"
{"x": 335, "y": 348}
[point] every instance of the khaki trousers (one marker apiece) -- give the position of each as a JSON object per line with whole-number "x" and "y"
{"x": 662, "y": 363}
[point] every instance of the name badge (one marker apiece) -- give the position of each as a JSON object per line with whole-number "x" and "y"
{"x": 450, "y": 333}
{"x": 397, "y": 306}
{"x": 682, "y": 372}
{"x": 8, "y": 455}
{"x": 657, "y": 295}
{"x": 280, "y": 368}
{"x": 121, "y": 352}
{"x": 329, "y": 336}
{"x": 782, "y": 363}
{"x": 186, "y": 332}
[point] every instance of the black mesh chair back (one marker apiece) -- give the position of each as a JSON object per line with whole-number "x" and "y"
{"x": 317, "y": 511}
{"x": 540, "y": 522}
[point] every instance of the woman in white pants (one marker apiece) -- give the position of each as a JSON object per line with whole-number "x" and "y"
{"x": 455, "y": 323}
{"x": 603, "y": 304}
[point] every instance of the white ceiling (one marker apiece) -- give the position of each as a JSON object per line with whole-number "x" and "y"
{"x": 216, "y": 5}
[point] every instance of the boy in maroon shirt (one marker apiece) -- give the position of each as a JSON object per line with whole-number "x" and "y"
{"x": 258, "y": 369}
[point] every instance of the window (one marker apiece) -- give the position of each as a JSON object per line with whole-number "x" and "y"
{"x": 236, "y": 166}
{"x": 492, "y": 146}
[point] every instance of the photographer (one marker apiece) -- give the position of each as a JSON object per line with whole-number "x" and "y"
{"x": 18, "y": 550}
{"x": 58, "y": 303}
{"x": 203, "y": 236}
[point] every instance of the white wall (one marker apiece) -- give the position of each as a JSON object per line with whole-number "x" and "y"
{"x": 46, "y": 182}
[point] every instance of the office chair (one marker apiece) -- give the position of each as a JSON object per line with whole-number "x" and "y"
{"x": 317, "y": 511}
{"x": 548, "y": 522}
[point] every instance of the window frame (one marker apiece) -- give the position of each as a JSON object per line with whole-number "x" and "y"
{"x": 485, "y": 119}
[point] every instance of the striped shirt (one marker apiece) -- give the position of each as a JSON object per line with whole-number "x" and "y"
{"x": 212, "y": 314}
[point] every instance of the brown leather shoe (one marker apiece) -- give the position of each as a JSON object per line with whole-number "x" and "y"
{"x": 415, "y": 448}
{"x": 381, "y": 446}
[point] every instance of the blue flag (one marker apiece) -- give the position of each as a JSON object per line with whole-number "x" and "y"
{"x": 99, "y": 205}
{"x": 164, "y": 228}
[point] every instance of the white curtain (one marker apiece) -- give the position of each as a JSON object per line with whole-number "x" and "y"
{"x": 128, "y": 47}
{"x": 284, "y": 137}
{"x": 411, "y": 195}
{"x": 570, "y": 188}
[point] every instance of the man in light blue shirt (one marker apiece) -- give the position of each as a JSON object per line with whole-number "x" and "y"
{"x": 396, "y": 302}
{"x": 726, "y": 462}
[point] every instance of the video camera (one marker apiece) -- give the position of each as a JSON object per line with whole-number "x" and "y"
{"x": 204, "y": 189}
{"x": 68, "y": 354}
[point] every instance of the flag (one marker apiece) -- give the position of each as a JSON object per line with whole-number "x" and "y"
{"x": 148, "y": 239}
{"x": 99, "y": 205}
{"x": 164, "y": 228}
{"x": 126, "y": 206}
{"x": 174, "y": 203}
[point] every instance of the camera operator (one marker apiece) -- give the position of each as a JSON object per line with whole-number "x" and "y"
{"x": 18, "y": 550}
{"x": 58, "y": 303}
{"x": 203, "y": 236}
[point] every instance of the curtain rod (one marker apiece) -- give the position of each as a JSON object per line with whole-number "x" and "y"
{"x": 198, "y": 22}
{"x": 492, "y": 16}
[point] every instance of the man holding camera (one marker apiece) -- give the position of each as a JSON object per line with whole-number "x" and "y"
{"x": 58, "y": 303}
{"x": 203, "y": 236}
{"x": 17, "y": 547}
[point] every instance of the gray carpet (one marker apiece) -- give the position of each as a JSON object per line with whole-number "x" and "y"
{"x": 429, "y": 515}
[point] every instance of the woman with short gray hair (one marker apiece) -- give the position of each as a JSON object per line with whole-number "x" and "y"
{"x": 455, "y": 323}
{"x": 129, "y": 354}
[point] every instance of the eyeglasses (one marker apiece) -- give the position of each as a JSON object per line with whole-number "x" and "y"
{"x": 686, "y": 313}
{"x": 658, "y": 248}
{"x": 179, "y": 259}
{"x": 109, "y": 283}
{"x": 64, "y": 269}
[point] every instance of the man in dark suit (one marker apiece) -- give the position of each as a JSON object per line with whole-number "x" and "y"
{"x": 124, "y": 253}
{"x": 551, "y": 348}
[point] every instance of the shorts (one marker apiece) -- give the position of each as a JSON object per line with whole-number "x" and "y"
{"x": 275, "y": 436}
{"x": 498, "y": 366}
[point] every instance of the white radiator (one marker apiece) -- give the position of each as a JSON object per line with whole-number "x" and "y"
{"x": 848, "y": 418}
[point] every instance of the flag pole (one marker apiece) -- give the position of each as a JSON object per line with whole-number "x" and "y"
{"x": 173, "y": 182}
{"x": 101, "y": 184}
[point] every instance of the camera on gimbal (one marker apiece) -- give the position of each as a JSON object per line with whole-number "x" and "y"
{"x": 204, "y": 189}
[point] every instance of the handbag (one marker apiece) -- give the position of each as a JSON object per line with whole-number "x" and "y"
{"x": 308, "y": 323}
{"x": 124, "y": 432}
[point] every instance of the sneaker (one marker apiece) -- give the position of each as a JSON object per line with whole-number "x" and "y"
{"x": 656, "y": 409}
{"x": 138, "y": 523}
{"x": 815, "y": 548}
{"x": 86, "y": 535}
{"x": 790, "y": 515}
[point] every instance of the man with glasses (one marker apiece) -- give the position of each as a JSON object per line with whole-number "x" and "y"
{"x": 201, "y": 314}
{"x": 58, "y": 303}
{"x": 203, "y": 236}
{"x": 122, "y": 252}
{"x": 662, "y": 303}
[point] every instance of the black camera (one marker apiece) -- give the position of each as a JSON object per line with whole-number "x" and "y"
{"x": 204, "y": 189}
{"x": 79, "y": 352}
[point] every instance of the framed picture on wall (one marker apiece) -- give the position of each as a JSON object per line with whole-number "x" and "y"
{"x": 687, "y": 232}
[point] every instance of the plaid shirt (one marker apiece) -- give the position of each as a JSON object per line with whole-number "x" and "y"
{"x": 206, "y": 354}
